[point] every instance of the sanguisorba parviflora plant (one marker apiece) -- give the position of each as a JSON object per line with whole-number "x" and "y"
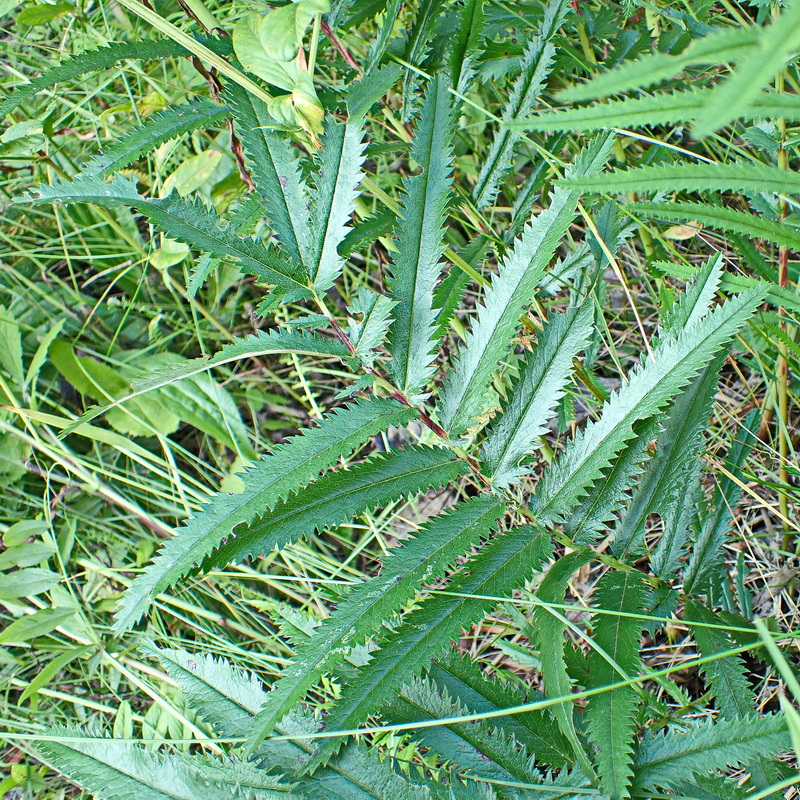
{"x": 487, "y": 383}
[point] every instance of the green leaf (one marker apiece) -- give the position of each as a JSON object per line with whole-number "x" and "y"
{"x": 537, "y": 731}
{"x": 229, "y": 698}
{"x": 337, "y": 496}
{"x": 11, "y": 347}
{"x": 466, "y": 47}
{"x": 610, "y": 716}
{"x": 274, "y": 166}
{"x": 361, "y": 613}
{"x": 187, "y": 221}
{"x": 707, "y": 552}
{"x": 652, "y": 110}
{"x": 115, "y": 770}
{"x": 534, "y": 69}
{"x": 511, "y": 290}
{"x": 541, "y": 384}
{"x": 334, "y": 198}
{"x": 290, "y": 467}
{"x": 720, "y": 46}
{"x": 777, "y": 44}
{"x": 369, "y": 333}
{"x": 726, "y": 676}
{"x": 40, "y": 623}
{"x": 27, "y": 583}
{"x": 420, "y": 232}
{"x": 90, "y": 61}
{"x": 503, "y": 564}
{"x": 44, "y": 13}
{"x": 725, "y": 219}
{"x": 548, "y": 632}
{"x": 480, "y": 746}
{"x": 159, "y": 128}
{"x": 704, "y": 747}
{"x": 648, "y": 389}
{"x": 747, "y": 178}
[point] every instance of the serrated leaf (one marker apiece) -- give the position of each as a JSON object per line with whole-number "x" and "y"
{"x": 704, "y": 747}
{"x": 122, "y": 771}
{"x": 511, "y": 290}
{"x": 726, "y": 676}
{"x": 502, "y": 565}
{"x": 541, "y": 384}
{"x": 186, "y": 220}
{"x": 337, "y": 496}
{"x": 229, "y": 698}
{"x": 159, "y": 128}
{"x": 747, "y": 178}
{"x": 420, "y": 232}
{"x": 725, "y": 219}
{"x": 368, "y": 334}
{"x": 721, "y": 46}
{"x": 288, "y": 469}
{"x": 610, "y": 715}
{"x": 777, "y": 44}
{"x": 649, "y": 388}
{"x": 534, "y": 69}
{"x": 536, "y": 730}
{"x": 652, "y": 110}
{"x": 548, "y": 633}
{"x": 362, "y": 612}
{"x": 91, "y": 61}
{"x": 334, "y": 198}
{"x": 274, "y": 167}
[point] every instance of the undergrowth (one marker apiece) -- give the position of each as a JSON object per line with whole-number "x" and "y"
{"x": 505, "y": 471}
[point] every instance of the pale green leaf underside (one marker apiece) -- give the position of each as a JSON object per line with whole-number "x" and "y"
{"x": 652, "y": 110}
{"x": 289, "y": 468}
{"x": 665, "y": 759}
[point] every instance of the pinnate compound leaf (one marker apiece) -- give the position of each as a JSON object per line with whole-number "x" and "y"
{"x": 511, "y": 290}
{"x": 535, "y": 67}
{"x": 434, "y": 548}
{"x": 649, "y": 388}
{"x": 502, "y": 565}
{"x": 665, "y": 759}
{"x": 420, "y": 232}
{"x": 540, "y": 385}
{"x": 337, "y": 496}
{"x": 115, "y": 770}
{"x": 610, "y": 715}
{"x": 288, "y": 469}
